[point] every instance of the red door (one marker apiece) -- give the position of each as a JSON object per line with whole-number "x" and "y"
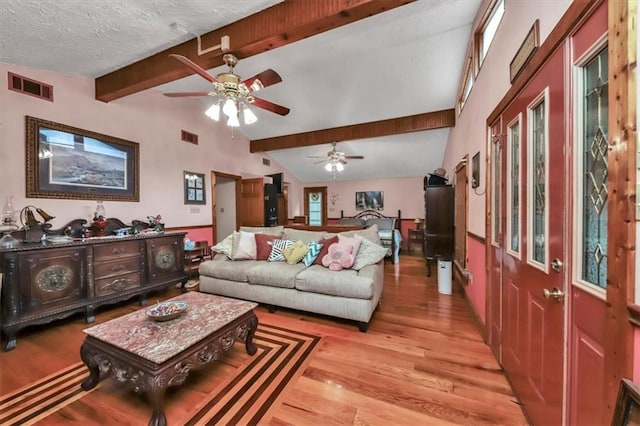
{"x": 532, "y": 142}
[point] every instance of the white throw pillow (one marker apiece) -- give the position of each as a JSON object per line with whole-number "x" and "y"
{"x": 246, "y": 248}
{"x": 369, "y": 254}
{"x": 225, "y": 246}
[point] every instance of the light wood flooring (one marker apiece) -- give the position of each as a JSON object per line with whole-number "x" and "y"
{"x": 422, "y": 362}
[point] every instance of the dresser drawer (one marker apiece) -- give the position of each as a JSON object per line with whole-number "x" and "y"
{"x": 117, "y": 284}
{"x": 116, "y": 267}
{"x": 116, "y": 250}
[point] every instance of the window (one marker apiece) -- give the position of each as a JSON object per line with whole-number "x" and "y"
{"x": 513, "y": 194}
{"x": 468, "y": 84}
{"x": 592, "y": 187}
{"x": 496, "y": 161}
{"x": 537, "y": 182}
{"x": 489, "y": 29}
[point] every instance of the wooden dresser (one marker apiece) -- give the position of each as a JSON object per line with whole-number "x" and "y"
{"x": 42, "y": 282}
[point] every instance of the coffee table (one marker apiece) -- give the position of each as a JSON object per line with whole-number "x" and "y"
{"x": 150, "y": 356}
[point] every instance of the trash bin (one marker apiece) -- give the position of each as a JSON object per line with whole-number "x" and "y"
{"x": 444, "y": 276}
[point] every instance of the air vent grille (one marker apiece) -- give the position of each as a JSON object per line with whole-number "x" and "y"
{"x": 189, "y": 137}
{"x": 266, "y": 162}
{"x": 28, "y": 86}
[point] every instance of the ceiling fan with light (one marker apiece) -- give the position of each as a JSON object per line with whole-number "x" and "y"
{"x": 335, "y": 160}
{"x": 234, "y": 95}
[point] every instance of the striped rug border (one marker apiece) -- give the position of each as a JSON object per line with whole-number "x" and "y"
{"x": 245, "y": 398}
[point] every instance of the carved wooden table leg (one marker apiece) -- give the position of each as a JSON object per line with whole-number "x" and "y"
{"x": 156, "y": 397}
{"x": 248, "y": 342}
{"x": 94, "y": 370}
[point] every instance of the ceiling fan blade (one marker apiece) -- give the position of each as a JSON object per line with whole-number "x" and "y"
{"x": 270, "y": 106}
{"x": 266, "y": 78}
{"x": 354, "y": 157}
{"x": 194, "y": 67}
{"x": 316, "y": 156}
{"x": 318, "y": 162}
{"x": 181, "y": 94}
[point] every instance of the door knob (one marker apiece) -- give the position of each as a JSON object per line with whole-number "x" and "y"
{"x": 556, "y": 265}
{"x": 554, "y": 293}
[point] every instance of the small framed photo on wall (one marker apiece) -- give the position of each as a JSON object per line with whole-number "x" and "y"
{"x": 194, "y": 189}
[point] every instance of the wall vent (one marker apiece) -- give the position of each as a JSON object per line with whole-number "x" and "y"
{"x": 266, "y": 162}
{"x": 189, "y": 137}
{"x": 28, "y": 86}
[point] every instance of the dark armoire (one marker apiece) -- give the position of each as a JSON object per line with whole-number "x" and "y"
{"x": 439, "y": 223}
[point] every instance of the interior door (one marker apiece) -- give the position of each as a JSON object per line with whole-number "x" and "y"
{"x": 315, "y": 205}
{"x": 252, "y": 202}
{"x": 533, "y": 241}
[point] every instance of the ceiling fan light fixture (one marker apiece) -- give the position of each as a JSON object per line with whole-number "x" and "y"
{"x": 230, "y": 108}
{"x": 256, "y": 85}
{"x": 214, "y": 111}
{"x": 249, "y": 116}
{"x": 328, "y": 167}
{"x": 339, "y": 166}
{"x": 233, "y": 121}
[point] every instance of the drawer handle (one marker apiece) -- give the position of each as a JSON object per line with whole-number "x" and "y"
{"x": 117, "y": 268}
{"x": 118, "y": 251}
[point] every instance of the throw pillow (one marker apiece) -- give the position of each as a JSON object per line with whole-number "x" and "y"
{"x": 312, "y": 254}
{"x": 225, "y": 246}
{"x": 339, "y": 257}
{"x": 295, "y": 253}
{"x": 325, "y": 248}
{"x": 246, "y": 248}
{"x": 355, "y": 242}
{"x": 276, "y": 250}
{"x": 369, "y": 254}
{"x": 263, "y": 248}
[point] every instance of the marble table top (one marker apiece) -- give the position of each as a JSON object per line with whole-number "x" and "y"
{"x": 159, "y": 341}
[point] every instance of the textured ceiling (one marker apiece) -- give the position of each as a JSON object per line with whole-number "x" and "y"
{"x": 401, "y": 62}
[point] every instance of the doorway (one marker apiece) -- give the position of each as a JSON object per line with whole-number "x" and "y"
{"x": 315, "y": 205}
{"x": 224, "y": 204}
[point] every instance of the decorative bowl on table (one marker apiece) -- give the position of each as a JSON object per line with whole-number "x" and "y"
{"x": 167, "y": 311}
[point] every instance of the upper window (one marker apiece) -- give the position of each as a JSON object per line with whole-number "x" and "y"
{"x": 489, "y": 29}
{"x": 468, "y": 84}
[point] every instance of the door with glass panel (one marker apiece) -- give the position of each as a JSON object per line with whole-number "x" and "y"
{"x": 533, "y": 236}
{"x": 315, "y": 206}
{"x": 588, "y": 225}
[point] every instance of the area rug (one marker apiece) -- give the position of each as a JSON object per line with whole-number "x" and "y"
{"x": 243, "y": 398}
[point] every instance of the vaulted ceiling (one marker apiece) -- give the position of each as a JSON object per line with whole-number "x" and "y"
{"x": 380, "y": 77}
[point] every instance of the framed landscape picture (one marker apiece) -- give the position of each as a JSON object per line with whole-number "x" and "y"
{"x": 194, "y": 190}
{"x": 370, "y": 200}
{"x": 72, "y": 163}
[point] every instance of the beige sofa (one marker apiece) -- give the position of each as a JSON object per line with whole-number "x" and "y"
{"x": 349, "y": 294}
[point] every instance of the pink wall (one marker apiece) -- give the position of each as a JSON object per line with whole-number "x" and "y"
{"x": 199, "y": 234}
{"x": 477, "y": 288}
{"x": 148, "y": 118}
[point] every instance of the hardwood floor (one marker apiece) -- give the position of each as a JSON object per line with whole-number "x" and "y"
{"x": 422, "y": 362}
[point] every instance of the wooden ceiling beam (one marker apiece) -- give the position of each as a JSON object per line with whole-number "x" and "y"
{"x": 277, "y": 26}
{"x": 392, "y": 126}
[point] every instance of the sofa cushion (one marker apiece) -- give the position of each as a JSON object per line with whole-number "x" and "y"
{"x": 271, "y": 230}
{"x": 355, "y": 242}
{"x": 369, "y": 254}
{"x": 351, "y": 221}
{"x": 314, "y": 250}
{"x": 274, "y": 274}
{"x": 223, "y": 268}
{"x": 302, "y": 235}
{"x": 387, "y": 223}
{"x": 277, "y": 246}
{"x": 295, "y": 253}
{"x": 325, "y": 248}
{"x": 263, "y": 248}
{"x": 345, "y": 283}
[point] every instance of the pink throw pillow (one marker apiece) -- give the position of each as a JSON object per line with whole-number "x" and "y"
{"x": 263, "y": 248}
{"x": 339, "y": 257}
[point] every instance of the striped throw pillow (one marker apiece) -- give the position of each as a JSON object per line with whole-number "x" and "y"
{"x": 314, "y": 251}
{"x": 277, "y": 246}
